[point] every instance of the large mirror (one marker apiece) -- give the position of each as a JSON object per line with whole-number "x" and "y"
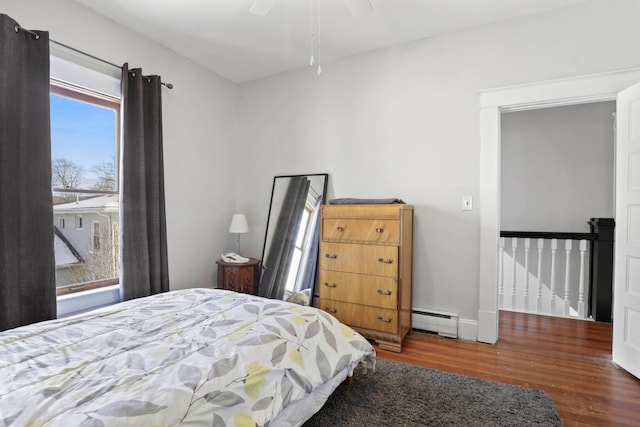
{"x": 290, "y": 252}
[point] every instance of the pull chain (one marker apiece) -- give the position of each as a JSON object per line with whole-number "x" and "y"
{"x": 315, "y": 35}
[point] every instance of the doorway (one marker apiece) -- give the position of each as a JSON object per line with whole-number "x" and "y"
{"x": 557, "y": 172}
{"x": 493, "y": 102}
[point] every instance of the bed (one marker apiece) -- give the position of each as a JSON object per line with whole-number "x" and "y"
{"x": 192, "y": 357}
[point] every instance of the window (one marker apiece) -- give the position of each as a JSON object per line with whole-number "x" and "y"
{"x": 95, "y": 236}
{"x": 84, "y": 165}
{"x": 301, "y": 235}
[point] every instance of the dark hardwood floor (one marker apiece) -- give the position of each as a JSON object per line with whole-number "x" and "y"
{"x": 569, "y": 359}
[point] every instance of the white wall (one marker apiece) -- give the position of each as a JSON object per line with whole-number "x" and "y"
{"x": 199, "y": 130}
{"x": 557, "y": 167}
{"x": 400, "y": 122}
{"x": 404, "y": 122}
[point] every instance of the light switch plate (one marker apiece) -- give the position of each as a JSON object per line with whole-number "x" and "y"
{"x": 467, "y": 203}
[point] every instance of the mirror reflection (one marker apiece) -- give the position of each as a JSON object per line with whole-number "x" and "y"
{"x": 290, "y": 252}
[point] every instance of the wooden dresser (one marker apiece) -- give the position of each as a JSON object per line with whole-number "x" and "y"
{"x": 365, "y": 269}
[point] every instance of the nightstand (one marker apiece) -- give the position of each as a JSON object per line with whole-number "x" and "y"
{"x": 239, "y": 277}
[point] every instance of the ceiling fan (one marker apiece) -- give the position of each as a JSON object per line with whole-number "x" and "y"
{"x": 358, "y": 8}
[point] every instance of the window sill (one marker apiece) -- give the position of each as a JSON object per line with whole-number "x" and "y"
{"x": 80, "y": 302}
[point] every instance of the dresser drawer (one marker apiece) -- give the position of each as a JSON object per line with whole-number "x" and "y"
{"x": 361, "y": 230}
{"x": 377, "y": 260}
{"x": 377, "y": 291}
{"x": 374, "y": 318}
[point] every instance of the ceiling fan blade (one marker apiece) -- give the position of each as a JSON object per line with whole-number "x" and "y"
{"x": 262, "y": 7}
{"x": 359, "y": 8}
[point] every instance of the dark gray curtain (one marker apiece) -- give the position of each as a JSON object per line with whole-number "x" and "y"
{"x": 144, "y": 269}
{"x": 278, "y": 262}
{"x": 27, "y": 258}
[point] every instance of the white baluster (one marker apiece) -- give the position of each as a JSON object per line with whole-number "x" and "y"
{"x": 539, "y": 273}
{"x": 581, "y": 310}
{"x": 514, "y": 246}
{"x": 527, "y": 246}
{"x": 552, "y": 284}
{"x": 501, "y": 273}
{"x": 567, "y": 274}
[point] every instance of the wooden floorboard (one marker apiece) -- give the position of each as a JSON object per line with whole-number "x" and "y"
{"x": 569, "y": 359}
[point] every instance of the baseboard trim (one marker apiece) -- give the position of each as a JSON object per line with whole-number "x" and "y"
{"x": 468, "y": 329}
{"x": 488, "y": 326}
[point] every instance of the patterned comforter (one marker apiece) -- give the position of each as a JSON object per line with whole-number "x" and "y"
{"x": 191, "y": 357}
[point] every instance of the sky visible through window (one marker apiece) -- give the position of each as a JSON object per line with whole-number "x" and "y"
{"x": 82, "y": 133}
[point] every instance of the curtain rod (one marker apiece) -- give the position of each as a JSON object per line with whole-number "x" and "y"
{"x": 104, "y": 61}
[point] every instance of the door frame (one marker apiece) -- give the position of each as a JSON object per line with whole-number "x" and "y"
{"x": 493, "y": 102}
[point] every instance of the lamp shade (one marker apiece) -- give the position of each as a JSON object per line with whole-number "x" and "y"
{"x": 239, "y": 224}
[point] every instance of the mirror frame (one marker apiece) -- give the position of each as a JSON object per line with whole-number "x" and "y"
{"x": 323, "y": 200}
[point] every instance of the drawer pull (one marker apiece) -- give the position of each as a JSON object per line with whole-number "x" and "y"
{"x": 381, "y": 292}
{"x": 340, "y": 229}
{"x": 388, "y": 261}
{"x": 334, "y": 256}
{"x": 330, "y": 285}
{"x": 379, "y": 230}
{"x": 331, "y": 310}
{"x": 382, "y": 319}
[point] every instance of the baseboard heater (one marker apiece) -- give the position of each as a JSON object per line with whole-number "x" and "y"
{"x": 444, "y": 324}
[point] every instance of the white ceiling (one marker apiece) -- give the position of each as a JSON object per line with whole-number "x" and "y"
{"x": 224, "y": 37}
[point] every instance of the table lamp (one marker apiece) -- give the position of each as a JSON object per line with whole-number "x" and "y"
{"x": 239, "y": 225}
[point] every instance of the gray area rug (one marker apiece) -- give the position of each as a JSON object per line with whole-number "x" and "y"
{"x": 397, "y": 394}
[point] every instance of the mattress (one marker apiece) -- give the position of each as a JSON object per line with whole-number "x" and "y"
{"x": 190, "y": 357}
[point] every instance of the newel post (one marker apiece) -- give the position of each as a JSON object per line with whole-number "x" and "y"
{"x": 601, "y": 278}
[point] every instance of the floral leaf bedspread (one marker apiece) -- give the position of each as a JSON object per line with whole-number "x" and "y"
{"x": 191, "y": 357}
